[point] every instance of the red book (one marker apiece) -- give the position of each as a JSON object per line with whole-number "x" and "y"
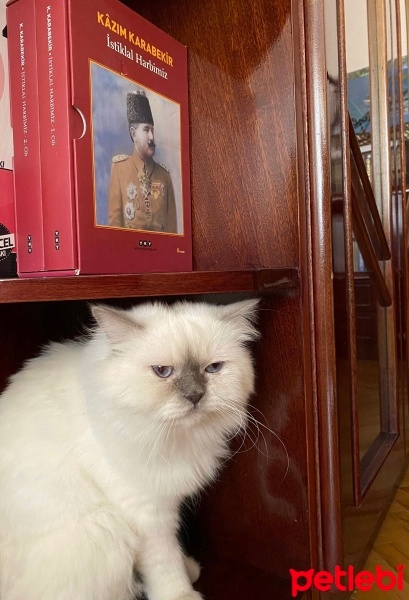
{"x": 6, "y": 137}
{"x": 26, "y": 132}
{"x": 7, "y": 225}
{"x": 113, "y": 108}
{"x": 56, "y": 132}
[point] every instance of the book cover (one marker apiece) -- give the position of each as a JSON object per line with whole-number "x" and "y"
{"x": 7, "y": 226}
{"x": 6, "y": 138}
{"x": 7, "y": 218}
{"x": 113, "y": 100}
{"x": 56, "y": 131}
{"x": 21, "y": 39}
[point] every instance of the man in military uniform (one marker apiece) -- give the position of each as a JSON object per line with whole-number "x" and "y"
{"x": 141, "y": 193}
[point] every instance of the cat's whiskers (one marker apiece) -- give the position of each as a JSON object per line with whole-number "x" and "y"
{"x": 246, "y": 434}
{"x": 162, "y": 436}
{"x": 244, "y": 431}
{"x": 154, "y": 430}
{"x": 239, "y": 451}
{"x": 239, "y": 421}
{"x": 145, "y": 435}
{"x": 259, "y": 424}
{"x": 252, "y": 407}
{"x": 170, "y": 425}
{"x": 251, "y": 420}
{"x": 158, "y": 438}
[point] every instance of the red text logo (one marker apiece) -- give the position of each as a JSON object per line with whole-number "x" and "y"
{"x": 346, "y": 580}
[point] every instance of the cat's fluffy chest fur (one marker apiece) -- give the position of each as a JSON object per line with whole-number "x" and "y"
{"x": 102, "y": 440}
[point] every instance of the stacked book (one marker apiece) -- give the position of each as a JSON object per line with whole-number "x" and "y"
{"x": 99, "y": 100}
{"x": 7, "y": 222}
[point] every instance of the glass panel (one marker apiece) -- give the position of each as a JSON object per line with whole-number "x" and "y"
{"x": 399, "y": 206}
{"x": 372, "y": 99}
{"x": 364, "y": 213}
{"x": 367, "y": 352}
{"x": 366, "y": 311}
{"x": 404, "y": 14}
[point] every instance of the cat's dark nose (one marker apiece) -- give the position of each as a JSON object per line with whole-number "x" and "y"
{"x": 194, "y": 398}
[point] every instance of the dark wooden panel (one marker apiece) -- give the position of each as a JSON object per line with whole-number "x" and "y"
{"x": 242, "y": 119}
{"x": 26, "y": 327}
{"x": 21, "y": 335}
{"x": 257, "y": 513}
{"x": 224, "y": 580}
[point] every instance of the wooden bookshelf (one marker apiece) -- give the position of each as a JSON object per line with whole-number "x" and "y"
{"x": 150, "y": 284}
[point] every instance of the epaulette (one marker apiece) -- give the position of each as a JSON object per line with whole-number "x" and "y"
{"x": 163, "y": 167}
{"x": 120, "y": 158}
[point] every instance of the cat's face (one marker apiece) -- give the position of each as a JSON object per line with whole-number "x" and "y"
{"x": 182, "y": 364}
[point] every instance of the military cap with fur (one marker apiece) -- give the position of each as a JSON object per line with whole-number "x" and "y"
{"x": 138, "y": 108}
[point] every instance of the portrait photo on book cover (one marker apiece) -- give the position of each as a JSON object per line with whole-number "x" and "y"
{"x": 136, "y": 141}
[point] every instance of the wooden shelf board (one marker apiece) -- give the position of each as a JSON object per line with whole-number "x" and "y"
{"x": 92, "y": 287}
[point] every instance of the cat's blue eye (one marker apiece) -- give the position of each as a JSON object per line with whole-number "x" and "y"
{"x": 162, "y": 371}
{"x": 214, "y": 367}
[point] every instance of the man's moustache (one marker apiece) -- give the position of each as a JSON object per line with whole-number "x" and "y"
{"x": 151, "y": 145}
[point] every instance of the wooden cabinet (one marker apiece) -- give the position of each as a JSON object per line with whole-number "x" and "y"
{"x": 262, "y": 123}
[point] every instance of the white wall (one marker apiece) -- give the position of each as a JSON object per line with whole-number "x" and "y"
{"x": 357, "y": 33}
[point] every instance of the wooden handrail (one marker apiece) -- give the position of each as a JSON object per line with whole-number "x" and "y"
{"x": 363, "y": 196}
{"x": 359, "y": 198}
{"x": 368, "y": 254}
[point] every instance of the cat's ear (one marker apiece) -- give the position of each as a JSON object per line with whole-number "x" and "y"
{"x": 244, "y": 315}
{"x": 116, "y": 324}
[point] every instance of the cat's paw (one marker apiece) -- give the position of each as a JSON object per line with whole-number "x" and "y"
{"x": 192, "y": 568}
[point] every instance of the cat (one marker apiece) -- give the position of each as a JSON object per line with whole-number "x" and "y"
{"x": 103, "y": 437}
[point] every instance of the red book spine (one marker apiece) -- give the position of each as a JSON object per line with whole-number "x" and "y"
{"x": 56, "y": 116}
{"x": 21, "y": 34}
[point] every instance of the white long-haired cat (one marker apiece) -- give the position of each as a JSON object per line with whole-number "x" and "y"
{"x": 102, "y": 439}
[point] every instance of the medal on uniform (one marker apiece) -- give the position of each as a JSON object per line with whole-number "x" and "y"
{"x": 146, "y": 188}
{"x": 131, "y": 193}
{"x": 158, "y": 191}
{"x": 129, "y": 211}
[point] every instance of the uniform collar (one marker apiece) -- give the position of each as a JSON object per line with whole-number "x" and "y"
{"x": 139, "y": 163}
